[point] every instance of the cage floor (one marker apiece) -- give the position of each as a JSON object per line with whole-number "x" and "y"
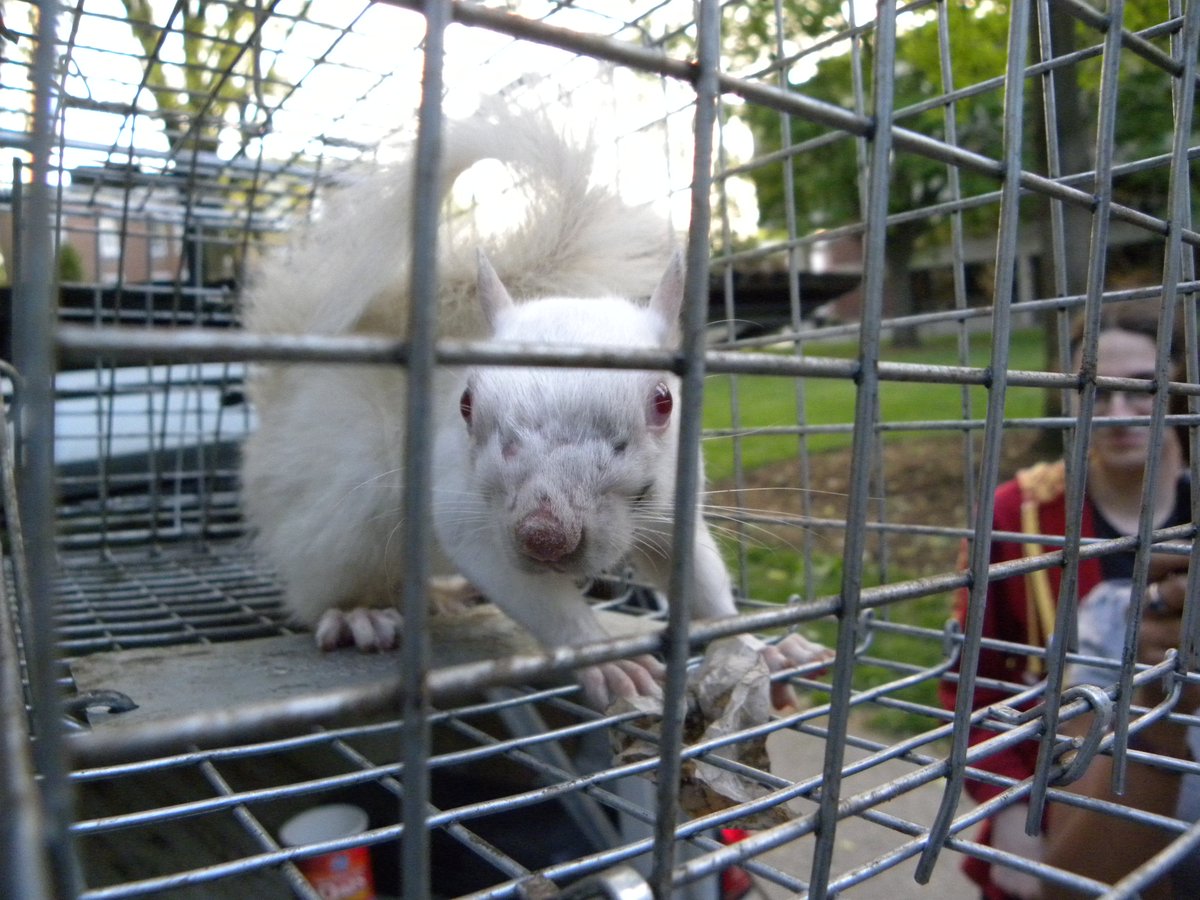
{"x": 523, "y": 779}
{"x": 187, "y": 594}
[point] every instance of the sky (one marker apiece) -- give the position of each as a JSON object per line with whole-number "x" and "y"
{"x": 364, "y": 92}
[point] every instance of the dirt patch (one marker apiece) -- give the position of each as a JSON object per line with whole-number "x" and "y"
{"x": 920, "y": 481}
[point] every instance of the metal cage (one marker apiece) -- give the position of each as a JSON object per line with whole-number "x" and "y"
{"x": 971, "y": 195}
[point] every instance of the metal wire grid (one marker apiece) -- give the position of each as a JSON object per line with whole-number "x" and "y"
{"x": 221, "y": 573}
{"x": 118, "y": 604}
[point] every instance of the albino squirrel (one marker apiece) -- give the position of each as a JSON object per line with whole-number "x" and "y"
{"x": 542, "y": 477}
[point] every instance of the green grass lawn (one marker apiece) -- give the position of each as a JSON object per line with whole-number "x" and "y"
{"x": 774, "y": 571}
{"x": 772, "y": 575}
{"x": 772, "y": 402}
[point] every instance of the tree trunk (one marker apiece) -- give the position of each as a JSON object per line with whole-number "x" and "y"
{"x": 1072, "y": 132}
{"x": 899, "y": 299}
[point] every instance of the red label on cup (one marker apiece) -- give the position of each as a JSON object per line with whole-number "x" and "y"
{"x": 344, "y": 875}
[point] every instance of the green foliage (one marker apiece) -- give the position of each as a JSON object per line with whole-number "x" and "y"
{"x": 1145, "y": 117}
{"x": 749, "y": 32}
{"x": 221, "y": 80}
{"x": 224, "y": 80}
{"x": 70, "y": 266}
{"x": 826, "y": 170}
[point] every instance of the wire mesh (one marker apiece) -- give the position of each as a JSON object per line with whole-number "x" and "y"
{"x": 856, "y": 181}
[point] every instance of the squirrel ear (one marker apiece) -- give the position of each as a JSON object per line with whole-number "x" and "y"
{"x": 493, "y": 295}
{"x": 667, "y": 299}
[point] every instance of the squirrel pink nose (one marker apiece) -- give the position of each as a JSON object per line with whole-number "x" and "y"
{"x": 544, "y": 537}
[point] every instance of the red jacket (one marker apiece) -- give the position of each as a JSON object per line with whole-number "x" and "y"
{"x": 1009, "y": 616}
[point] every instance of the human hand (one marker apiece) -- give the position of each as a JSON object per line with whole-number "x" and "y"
{"x": 1164, "y": 565}
{"x": 1162, "y": 619}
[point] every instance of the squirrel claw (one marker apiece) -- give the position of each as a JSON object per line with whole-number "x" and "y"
{"x": 368, "y": 629}
{"x": 607, "y": 682}
{"x": 794, "y": 650}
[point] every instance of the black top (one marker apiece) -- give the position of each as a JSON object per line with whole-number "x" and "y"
{"x": 1120, "y": 565}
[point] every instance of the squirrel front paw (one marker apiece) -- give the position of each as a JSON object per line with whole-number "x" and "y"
{"x": 608, "y": 682}
{"x": 792, "y": 652}
{"x": 369, "y": 629}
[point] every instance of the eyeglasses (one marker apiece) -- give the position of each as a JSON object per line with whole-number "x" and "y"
{"x": 1134, "y": 399}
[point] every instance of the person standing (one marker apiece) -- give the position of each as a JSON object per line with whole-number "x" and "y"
{"x": 1021, "y": 609}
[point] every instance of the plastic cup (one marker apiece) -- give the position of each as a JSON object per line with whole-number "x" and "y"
{"x": 343, "y": 874}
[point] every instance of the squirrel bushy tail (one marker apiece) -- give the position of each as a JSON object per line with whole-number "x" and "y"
{"x": 349, "y": 271}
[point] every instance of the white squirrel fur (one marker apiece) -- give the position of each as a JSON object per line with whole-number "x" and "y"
{"x": 322, "y": 472}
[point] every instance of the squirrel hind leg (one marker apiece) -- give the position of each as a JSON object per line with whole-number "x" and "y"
{"x": 370, "y": 629}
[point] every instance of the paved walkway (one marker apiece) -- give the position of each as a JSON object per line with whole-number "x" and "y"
{"x": 862, "y": 843}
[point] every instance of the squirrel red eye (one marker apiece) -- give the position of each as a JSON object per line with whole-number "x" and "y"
{"x": 661, "y": 404}
{"x": 464, "y": 405}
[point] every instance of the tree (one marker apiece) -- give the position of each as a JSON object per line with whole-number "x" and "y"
{"x": 217, "y": 82}
{"x": 220, "y": 81}
{"x": 827, "y": 172}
